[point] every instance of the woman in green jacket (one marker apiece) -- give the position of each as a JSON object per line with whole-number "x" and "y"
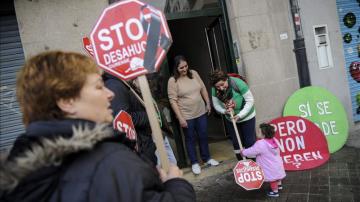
{"x": 232, "y": 95}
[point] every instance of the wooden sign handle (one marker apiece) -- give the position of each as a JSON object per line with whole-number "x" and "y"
{"x": 154, "y": 123}
{"x": 236, "y": 132}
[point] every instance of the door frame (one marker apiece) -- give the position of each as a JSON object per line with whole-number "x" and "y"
{"x": 221, "y": 13}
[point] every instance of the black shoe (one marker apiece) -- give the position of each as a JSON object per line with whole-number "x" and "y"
{"x": 273, "y": 194}
{"x": 239, "y": 157}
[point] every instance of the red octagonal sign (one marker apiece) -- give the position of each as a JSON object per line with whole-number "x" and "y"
{"x": 130, "y": 39}
{"x": 248, "y": 174}
{"x": 123, "y": 123}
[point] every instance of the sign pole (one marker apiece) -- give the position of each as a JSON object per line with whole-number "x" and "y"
{"x": 248, "y": 174}
{"x": 131, "y": 45}
{"x": 154, "y": 123}
{"x": 237, "y": 133}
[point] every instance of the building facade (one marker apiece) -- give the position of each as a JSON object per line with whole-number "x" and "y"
{"x": 254, "y": 38}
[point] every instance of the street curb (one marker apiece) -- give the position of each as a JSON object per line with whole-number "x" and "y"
{"x": 208, "y": 171}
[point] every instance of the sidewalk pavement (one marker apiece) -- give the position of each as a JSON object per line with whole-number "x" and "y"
{"x": 336, "y": 180}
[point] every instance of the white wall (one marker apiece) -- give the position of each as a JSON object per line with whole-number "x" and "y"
{"x": 59, "y": 24}
{"x": 56, "y": 24}
{"x": 334, "y": 78}
{"x": 267, "y": 61}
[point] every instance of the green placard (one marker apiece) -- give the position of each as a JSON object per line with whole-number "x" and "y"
{"x": 325, "y": 110}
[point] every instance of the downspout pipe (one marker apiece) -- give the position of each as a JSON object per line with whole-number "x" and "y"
{"x": 299, "y": 46}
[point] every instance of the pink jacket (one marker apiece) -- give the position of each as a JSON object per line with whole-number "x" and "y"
{"x": 268, "y": 158}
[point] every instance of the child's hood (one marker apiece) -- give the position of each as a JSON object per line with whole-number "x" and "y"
{"x": 272, "y": 144}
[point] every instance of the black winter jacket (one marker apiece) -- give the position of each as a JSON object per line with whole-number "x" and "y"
{"x": 125, "y": 100}
{"x": 75, "y": 160}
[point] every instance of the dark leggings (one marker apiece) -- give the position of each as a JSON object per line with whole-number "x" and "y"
{"x": 246, "y": 131}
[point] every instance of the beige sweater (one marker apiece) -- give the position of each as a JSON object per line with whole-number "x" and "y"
{"x": 185, "y": 92}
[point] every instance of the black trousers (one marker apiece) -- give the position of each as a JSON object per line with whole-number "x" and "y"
{"x": 247, "y": 133}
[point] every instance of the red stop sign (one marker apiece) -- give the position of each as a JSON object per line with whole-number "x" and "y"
{"x": 87, "y": 46}
{"x": 123, "y": 123}
{"x": 130, "y": 39}
{"x": 248, "y": 174}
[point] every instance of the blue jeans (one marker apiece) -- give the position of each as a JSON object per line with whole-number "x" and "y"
{"x": 247, "y": 133}
{"x": 200, "y": 126}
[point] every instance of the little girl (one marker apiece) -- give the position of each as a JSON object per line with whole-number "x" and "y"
{"x": 268, "y": 157}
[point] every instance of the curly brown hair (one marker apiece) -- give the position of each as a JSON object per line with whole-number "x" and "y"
{"x": 217, "y": 75}
{"x": 267, "y": 130}
{"x": 48, "y": 77}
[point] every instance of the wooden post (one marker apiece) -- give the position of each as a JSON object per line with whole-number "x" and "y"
{"x": 154, "y": 123}
{"x": 236, "y": 132}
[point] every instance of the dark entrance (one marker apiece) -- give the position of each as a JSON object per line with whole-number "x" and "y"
{"x": 216, "y": 44}
{"x": 190, "y": 39}
{"x": 202, "y": 38}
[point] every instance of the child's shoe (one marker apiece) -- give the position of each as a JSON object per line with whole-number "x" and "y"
{"x": 280, "y": 187}
{"x": 273, "y": 194}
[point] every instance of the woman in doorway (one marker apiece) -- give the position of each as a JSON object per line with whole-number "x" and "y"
{"x": 187, "y": 94}
{"x": 232, "y": 95}
{"x": 69, "y": 151}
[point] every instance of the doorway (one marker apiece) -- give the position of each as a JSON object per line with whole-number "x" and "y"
{"x": 201, "y": 40}
{"x": 190, "y": 39}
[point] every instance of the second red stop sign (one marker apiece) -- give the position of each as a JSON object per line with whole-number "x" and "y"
{"x": 248, "y": 174}
{"x": 123, "y": 123}
{"x": 130, "y": 39}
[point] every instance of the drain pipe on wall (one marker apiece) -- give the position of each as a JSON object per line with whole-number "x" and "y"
{"x": 299, "y": 46}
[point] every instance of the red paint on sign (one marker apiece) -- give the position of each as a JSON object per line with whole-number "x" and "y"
{"x": 130, "y": 39}
{"x": 248, "y": 174}
{"x": 302, "y": 144}
{"x": 123, "y": 123}
{"x": 87, "y": 46}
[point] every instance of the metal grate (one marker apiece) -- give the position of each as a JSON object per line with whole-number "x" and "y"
{"x": 11, "y": 60}
{"x": 351, "y": 49}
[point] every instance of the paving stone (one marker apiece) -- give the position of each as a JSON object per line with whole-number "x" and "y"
{"x": 320, "y": 180}
{"x": 319, "y": 189}
{"x": 295, "y": 197}
{"x": 318, "y": 198}
{"x": 341, "y": 198}
{"x": 336, "y": 180}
